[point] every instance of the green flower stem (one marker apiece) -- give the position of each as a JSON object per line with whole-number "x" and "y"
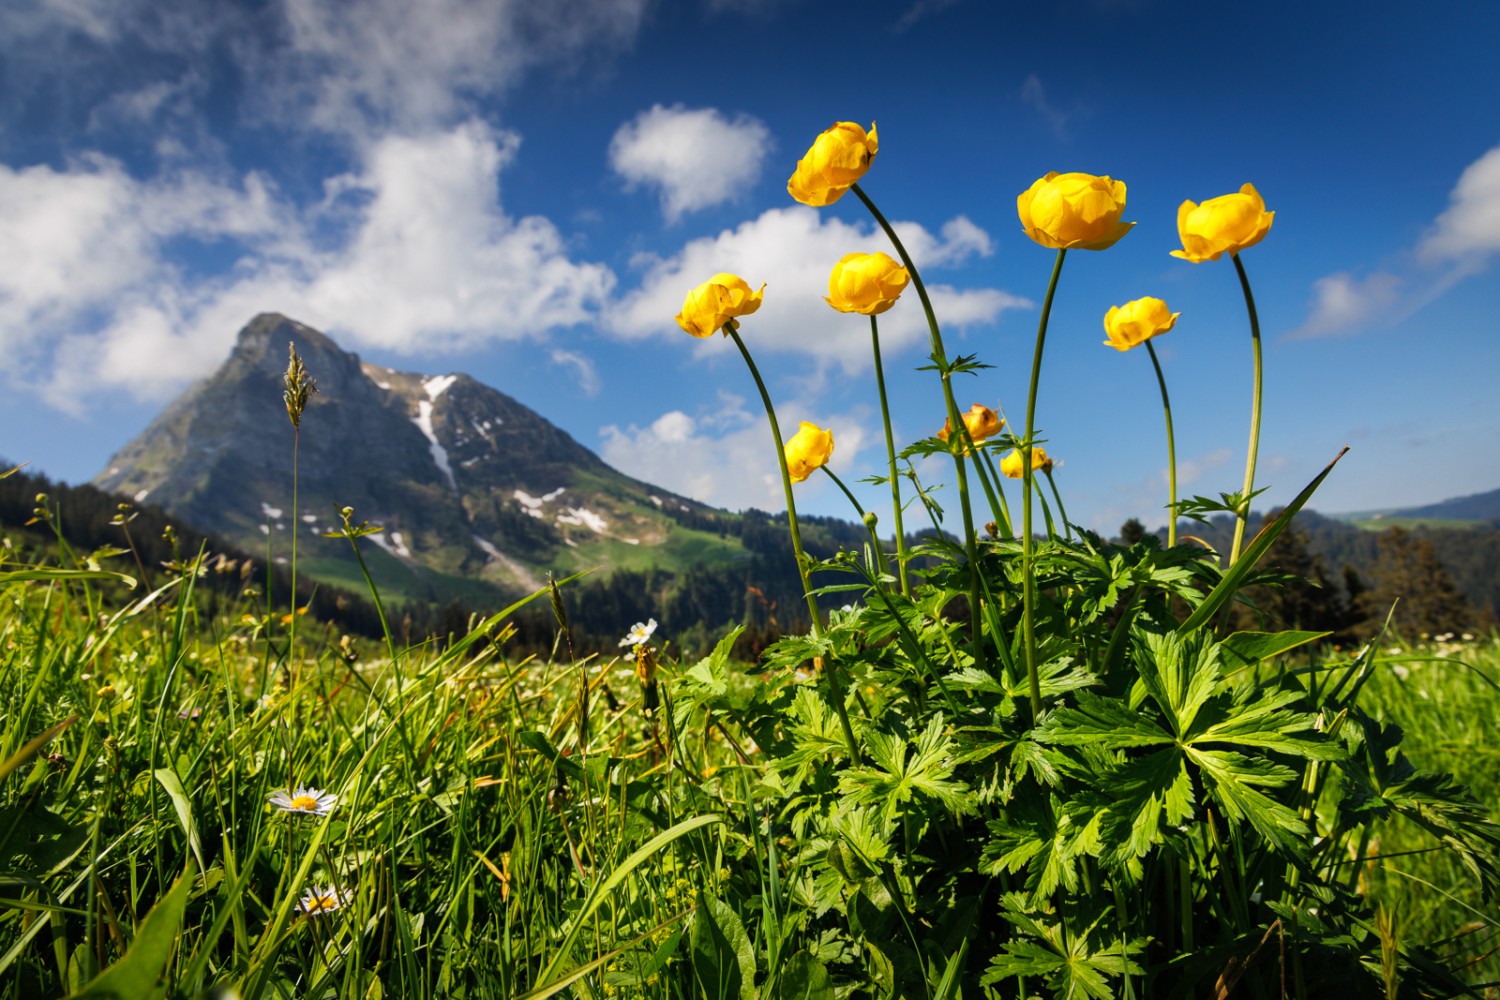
{"x": 1166, "y": 405}
{"x": 996, "y": 509}
{"x": 1244, "y": 511}
{"x": 864, "y": 518}
{"x": 1027, "y": 543}
{"x": 1006, "y": 531}
{"x": 1062, "y": 512}
{"x": 940, "y": 358}
{"x": 890, "y": 450}
{"x": 732, "y": 329}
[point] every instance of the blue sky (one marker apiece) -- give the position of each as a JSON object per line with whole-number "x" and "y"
{"x": 525, "y": 191}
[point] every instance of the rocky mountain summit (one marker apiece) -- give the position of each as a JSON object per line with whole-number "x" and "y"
{"x": 467, "y": 483}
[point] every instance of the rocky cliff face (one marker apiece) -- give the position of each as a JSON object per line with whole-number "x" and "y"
{"x": 465, "y": 480}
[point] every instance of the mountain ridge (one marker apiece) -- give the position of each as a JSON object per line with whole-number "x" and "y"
{"x": 464, "y": 480}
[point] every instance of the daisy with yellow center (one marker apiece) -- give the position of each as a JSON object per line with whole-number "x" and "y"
{"x": 325, "y": 899}
{"x": 304, "y": 800}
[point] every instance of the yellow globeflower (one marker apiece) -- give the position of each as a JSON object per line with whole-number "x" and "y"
{"x": 1226, "y": 224}
{"x": 1136, "y": 322}
{"x": 1011, "y": 467}
{"x": 1074, "y": 211}
{"x": 838, "y": 158}
{"x": 983, "y": 423}
{"x": 866, "y": 283}
{"x": 715, "y": 304}
{"x": 810, "y": 448}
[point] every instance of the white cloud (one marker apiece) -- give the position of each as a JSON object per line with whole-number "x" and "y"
{"x": 792, "y": 250}
{"x": 696, "y": 158}
{"x": 583, "y": 370}
{"x": 412, "y": 65}
{"x": 727, "y": 458}
{"x": 1469, "y": 231}
{"x": 1034, "y": 96}
{"x": 1342, "y": 302}
{"x": 413, "y": 251}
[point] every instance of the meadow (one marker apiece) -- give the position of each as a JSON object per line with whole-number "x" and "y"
{"x": 1006, "y": 759}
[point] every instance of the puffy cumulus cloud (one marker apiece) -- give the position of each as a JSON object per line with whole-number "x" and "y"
{"x": 410, "y": 65}
{"x": 411, "y": 251}
{"x": 1342, "y": 302}
{"x": 696, "y": 158}
{"x": 723, "y": 458}
{"x": 1469, "y": 230}
{"x": 793, "y": 250}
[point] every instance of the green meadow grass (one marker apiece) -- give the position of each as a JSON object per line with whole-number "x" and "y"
{"x": 500, "y": 826}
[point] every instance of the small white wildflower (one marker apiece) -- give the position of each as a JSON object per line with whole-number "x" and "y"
{"x": 324, "y": 900}
{"x": 639, "y": 633}
{"x": 305, "y": 800}
{"x": 1400, "y": 671}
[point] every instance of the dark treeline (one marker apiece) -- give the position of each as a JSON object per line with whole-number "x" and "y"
{"x": 1326, "y": 575}
{"x": 694, "y": 607}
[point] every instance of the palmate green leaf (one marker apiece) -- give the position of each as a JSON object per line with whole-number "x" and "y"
{"x": 1180, "y": 673}
{"x": 1233, "y": 779}
{"x": 1046, "y": 839}
{"x": 1265, "y": 722}
{"x": 815, "y": 736}
{"x": 1073, "y": 965}
{"x": 896, "y": 777}
{"x": 1147, "y": 789}
{"x": 1105, "y": 722}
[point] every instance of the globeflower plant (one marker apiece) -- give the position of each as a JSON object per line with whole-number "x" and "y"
{"x": 1039, "y": 762}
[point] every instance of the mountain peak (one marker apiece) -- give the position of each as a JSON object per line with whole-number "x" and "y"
{"x": 465, "y": 480}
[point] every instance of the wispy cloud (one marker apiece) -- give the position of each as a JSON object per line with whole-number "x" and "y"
{"x": 1034, "y": 96}
{"x": 1461, "y": 242}
{"x": 583, "y": 370}
{"x": 1343, "y": 303}
{"x": 695, "y": 157}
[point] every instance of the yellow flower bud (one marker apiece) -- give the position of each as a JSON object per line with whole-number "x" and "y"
{"x": 838, "y": 158}
{"x": 983, "y": 423}
{"x": 1226, "y": 224}
{"x": 866, "y": 283}
{"x": 1074, "y": 211}
{"x": 810, "y": 448}
{"x": 1136, "y": 322}
{"x": 1011, "y": 467}
{"x": 716, "y": 302}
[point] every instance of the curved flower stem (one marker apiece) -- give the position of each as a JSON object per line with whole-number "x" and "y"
{"x": 878, "y": 551}
{"x": 730, "y": 328}
{"x": 1166, "y": 405}
{"x": 1062, "y": 512}
{"x": 1006, "y": 529}
{"x": 940, "y": 359}
{"x": 1027, "y": 543}
{"x": 890, "y": 450}
{"x": 1244, "y": 511}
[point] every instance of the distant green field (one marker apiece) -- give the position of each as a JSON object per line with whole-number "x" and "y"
{"x": 1379, "y": 523}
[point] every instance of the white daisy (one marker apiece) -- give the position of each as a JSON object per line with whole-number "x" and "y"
{"x": 639, "y": 633}
{"x": 325, "y": 899}
{"x": 308, "y": 801}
